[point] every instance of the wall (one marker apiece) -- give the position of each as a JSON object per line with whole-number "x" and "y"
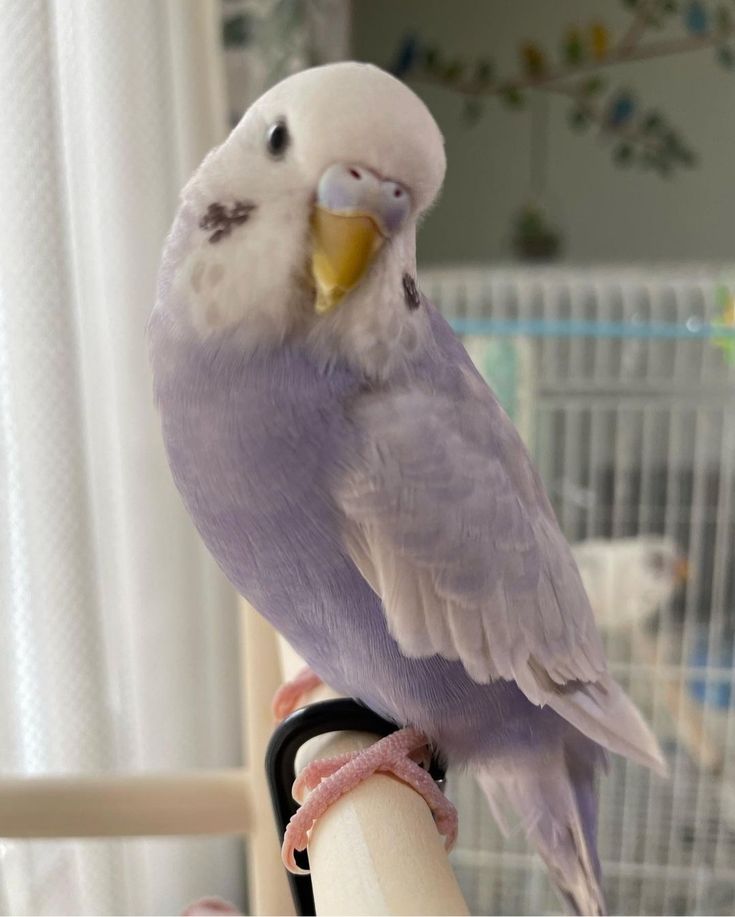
{"x": 608, "y": 214}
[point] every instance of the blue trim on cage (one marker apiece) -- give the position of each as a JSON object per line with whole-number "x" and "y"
{"x": 691, "y": 330}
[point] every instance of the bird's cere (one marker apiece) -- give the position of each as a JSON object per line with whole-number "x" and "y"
{"x": 350, "y": 190}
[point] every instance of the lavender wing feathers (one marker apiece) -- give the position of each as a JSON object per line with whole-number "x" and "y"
{"x": 448, "y": 523}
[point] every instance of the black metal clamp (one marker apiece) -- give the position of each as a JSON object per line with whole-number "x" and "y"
{"x": 302, "y": 725}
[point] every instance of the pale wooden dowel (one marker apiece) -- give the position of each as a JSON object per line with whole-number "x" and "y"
{"x": 201, "y": 802}
{"x": 376, "y": 850}
{"x": 261, "y": 676}
{"x": 289, "y": 659}
{"x": 687, "y": 716}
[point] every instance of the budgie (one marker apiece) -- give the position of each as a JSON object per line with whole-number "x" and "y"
{"x": 628, "y": 580}
{"x": 358, "y": 481}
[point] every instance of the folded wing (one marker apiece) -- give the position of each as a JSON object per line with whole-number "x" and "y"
{"x": 447, "y": 520}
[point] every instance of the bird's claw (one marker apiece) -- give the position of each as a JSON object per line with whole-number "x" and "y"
{"x": 329, "y": 779}
{"x": 295, "y": 838}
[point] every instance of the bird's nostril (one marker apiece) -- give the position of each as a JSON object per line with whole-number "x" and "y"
{"x": 355, "y": 173}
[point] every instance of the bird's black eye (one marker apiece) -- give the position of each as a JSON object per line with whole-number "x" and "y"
{"x": 277, "y": 139}
{"x": 657, "y": 562}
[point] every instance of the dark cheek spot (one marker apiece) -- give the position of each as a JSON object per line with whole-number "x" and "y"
{"x": 219, "y": 218}
{"x": 411, "y": 293}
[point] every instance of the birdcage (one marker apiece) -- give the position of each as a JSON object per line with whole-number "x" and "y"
{"x": 622, "y": 382}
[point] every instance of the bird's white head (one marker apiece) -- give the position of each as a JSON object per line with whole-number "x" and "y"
{"x": 629, "y": 579}
{"x": 303, "y": 221}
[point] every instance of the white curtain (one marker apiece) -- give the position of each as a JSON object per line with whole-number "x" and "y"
{"x": 117, "y": 634}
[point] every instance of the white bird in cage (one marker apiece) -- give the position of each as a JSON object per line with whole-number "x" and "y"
{"x": 629, "y": 579}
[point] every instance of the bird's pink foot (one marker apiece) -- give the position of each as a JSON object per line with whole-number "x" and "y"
{"x": 331, "y": 778}
{"x": 289, "y": 696}
{"x": 313, "y": 774}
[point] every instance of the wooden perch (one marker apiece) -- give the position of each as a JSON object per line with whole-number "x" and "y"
{"x": 260, "y": 673}
{"x": 376, "y": 850}
{"x": 202, "y": 802}
{"x": 688, "y": 717}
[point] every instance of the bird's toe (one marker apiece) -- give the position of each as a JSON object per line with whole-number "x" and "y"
{"x": 313, "y": 774}
{"x": 291, "y": 694}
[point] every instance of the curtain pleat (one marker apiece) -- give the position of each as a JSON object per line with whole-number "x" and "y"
{"x": 118, "y": 633}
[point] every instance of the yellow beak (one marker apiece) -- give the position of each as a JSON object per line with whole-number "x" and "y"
{"x": 343, "y": 245}
{"x": 681, "y": 570}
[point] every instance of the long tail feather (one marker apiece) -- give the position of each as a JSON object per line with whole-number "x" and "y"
{"x": 605, "y": 713}
{"x": 556, "y": 800}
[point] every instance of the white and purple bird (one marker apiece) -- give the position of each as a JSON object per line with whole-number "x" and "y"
{"x": 358, "y": 481}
